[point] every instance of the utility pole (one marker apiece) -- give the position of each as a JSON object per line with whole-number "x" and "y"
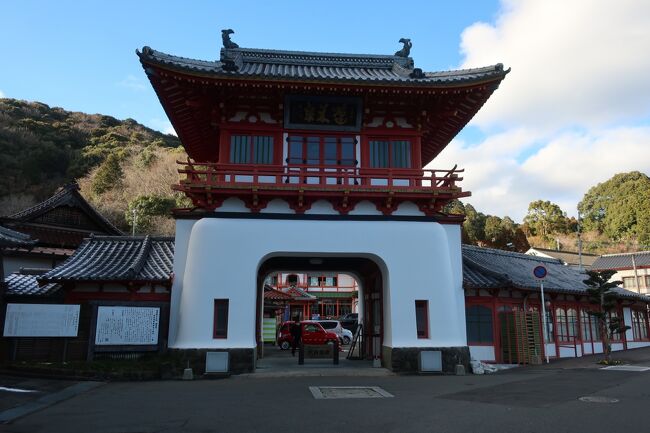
{"x": 579, "y": 244}
{"x": 134, "y": 221}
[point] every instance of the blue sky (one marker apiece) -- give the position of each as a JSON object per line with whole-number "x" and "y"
{"x": 574, "y": 110}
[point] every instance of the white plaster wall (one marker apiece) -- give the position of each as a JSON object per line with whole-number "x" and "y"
{"x": 550, "y": 349}
{"x": 637, "y": 344}
{"x": 617, "y": 346}
{"x": 482, "y": 353}
{"x": 420, "y": 261}
{"x": 13, "y": 264}
{"x": 182, "y": 239}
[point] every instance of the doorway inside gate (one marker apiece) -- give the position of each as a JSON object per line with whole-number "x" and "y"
{"x": 291, "y": 287}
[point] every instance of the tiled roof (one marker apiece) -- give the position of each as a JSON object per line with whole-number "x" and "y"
{"x": 117, "y": 258}
{"x": 490, "y": 268}
{"x": 68, "y": 195}
{"x": 276, "y": 295}
{"x": 568, "y": 257}
{"x": 299, "y": 294}
{"x": 302, "y": 65}
{"x": 12, "y": 238}
{"x": 40, "y": 251}
{"x": 622, "y": 261}
{"x": 25, "y": 284}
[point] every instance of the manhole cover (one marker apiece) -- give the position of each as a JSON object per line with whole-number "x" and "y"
{"x": 598, "y": 399}
{"x": 626, "y": 368}
{"x": 321, "y": 392}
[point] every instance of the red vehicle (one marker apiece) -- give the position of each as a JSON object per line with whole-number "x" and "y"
{"x": 312, "y": 333}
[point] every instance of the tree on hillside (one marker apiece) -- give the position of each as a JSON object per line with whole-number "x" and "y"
{"x": 619, "y": 207}
{"x": 474, "y": 225}
{"x": 109, "y": 175}
{"x": 545, "y": 218}
{"x": 600, "y": 293}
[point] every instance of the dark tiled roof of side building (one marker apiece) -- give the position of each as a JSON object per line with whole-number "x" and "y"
{"x": 117, "y": 258}
{"x": 12, "y": 238}
{"x": 68, "y": 195}
{"x": 622, "y": 261}
{"x": 489, "y": 268}
{"x": 568, "y": 257}
{"x": 308, "y": 66}
{"x": 24, "y": 283}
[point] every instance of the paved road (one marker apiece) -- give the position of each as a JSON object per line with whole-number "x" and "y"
{"x": 519, "y": 400}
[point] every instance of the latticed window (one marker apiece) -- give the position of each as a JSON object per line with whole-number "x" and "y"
{"x": 590, "y": 328}
{"x": 479, "y": 324}
{"x": 251, "y": 149}
{"x": 390, "y": 154}
{"x": 322, "y": 150}
{"x": 639, "y": 325}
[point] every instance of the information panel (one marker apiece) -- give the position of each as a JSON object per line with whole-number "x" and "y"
{"x": 41, "y": 320}
{"x": 117, "y": 326}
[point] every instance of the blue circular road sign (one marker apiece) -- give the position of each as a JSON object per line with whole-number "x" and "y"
{"x": 539, "y": 272}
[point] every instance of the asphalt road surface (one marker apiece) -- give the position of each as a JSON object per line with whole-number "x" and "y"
{"x": 519, "y": 400}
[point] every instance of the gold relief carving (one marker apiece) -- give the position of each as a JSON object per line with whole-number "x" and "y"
{"x": 322, "y": 114}
{"x": 310, "y": 113}
{"x": 340, "y": 115}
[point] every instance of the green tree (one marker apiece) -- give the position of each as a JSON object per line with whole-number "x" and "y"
{"x": 619, "y": 207}
{"x": 600, "y": 293}
{"x": 474, "y": 225}
{"x": 144, "y": 208}
{"x": 545, "y": 218}
{"x": 109, "y": 175}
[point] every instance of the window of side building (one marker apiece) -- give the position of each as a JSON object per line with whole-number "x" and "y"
{"x": 389, "y": 153}
{"x": 422, "y": 318}
{"x": 479, "y": 324}
{"x": 220, "y": 329}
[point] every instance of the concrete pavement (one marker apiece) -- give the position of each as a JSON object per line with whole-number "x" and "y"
{"x": 519, "y": 400}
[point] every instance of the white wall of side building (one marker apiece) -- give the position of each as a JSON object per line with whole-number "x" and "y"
{"x": 218, "y": 258}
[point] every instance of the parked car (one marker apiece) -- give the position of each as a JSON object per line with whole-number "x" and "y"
{"x": 312, "y": 333}
{"x": 347, "y": 336}
{"x": 332, "y": 326}
{"x": 350, "y": 321}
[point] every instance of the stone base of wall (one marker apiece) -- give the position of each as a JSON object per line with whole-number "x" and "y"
{"x": 406, "y": 359}
{"x": 241, "y": 360}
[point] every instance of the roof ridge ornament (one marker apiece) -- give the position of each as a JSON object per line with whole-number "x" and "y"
{"x": 406, "y": 49}
{"x": 225, "y": 38}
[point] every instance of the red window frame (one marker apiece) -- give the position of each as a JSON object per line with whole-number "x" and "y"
{"x": 221, "y": 307}
{"x": 422, "y": 318}
{"x": 564, "y": 326}
{"x": 321, "y": 138}
{"x": 639, "y": 321}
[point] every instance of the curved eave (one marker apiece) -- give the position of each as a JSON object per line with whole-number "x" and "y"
{"x": 434, "y": 80}
{"x": 199, "y": 138}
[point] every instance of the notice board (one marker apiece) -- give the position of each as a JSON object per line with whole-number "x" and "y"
{"x": 118, "y": 326}
{"x": 41, "y": 320}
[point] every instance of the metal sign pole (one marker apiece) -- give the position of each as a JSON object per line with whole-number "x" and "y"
{"x": 541, "y": 287}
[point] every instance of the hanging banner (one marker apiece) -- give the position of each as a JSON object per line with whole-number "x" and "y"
{"x": 41, "y": 320}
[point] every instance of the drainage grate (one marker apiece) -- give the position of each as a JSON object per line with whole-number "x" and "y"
{"x": 626, "y": 368}
{"x": 597, "y": 399}
{"x": 323, "y": 392}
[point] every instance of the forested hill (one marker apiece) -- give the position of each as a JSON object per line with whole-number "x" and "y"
{"x": 42, "y": 147}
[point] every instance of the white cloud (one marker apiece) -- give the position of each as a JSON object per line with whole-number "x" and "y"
{"x": 561, "y": 170}
{"x": 2, "y": 94}
{"x": 578, "y": 62}
{"x": 162, "y": 125}
{"x": 574, "y": 111}
{"x": 132, "y": 82}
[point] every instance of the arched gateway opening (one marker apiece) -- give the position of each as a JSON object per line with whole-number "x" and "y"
{"x": 368, "y": 270}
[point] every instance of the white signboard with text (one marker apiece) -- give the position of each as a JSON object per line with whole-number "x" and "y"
{"x": 118, "y": 326}
{"x": 41, "y": 320}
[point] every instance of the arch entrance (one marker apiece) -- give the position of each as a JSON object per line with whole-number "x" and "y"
{"x": 370, "y": 279}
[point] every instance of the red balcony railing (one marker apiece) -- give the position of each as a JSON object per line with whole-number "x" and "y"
{"x": 208, "y": 184}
